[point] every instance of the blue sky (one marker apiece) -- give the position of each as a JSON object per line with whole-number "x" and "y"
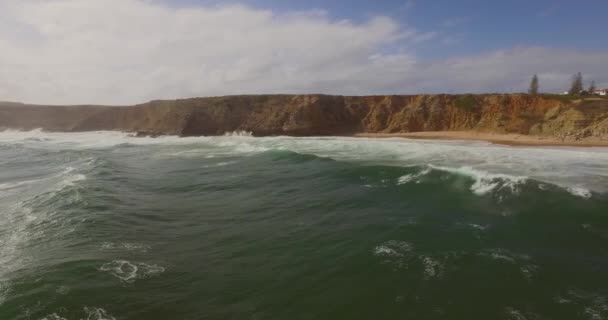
{"x": 129, "y": 51}
{"x": 468, "y": 26}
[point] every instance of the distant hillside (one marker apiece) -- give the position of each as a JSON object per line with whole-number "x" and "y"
{"x": 304, "y": 115}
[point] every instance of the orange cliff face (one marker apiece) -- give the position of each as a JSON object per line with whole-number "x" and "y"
{"x": 306, "y": 115}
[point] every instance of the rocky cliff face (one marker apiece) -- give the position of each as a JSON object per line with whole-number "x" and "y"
{"x": 300, "y": 115}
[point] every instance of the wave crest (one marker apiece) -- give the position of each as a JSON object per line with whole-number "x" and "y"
{"x": 486, "y": 182}
{"x": 580, "y": 192}
{"x": 238, "y": 133}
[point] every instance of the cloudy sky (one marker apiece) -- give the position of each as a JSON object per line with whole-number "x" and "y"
{"x": 129, "y": 51}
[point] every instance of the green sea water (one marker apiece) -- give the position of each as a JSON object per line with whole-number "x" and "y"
{"x": 101, "y": 225}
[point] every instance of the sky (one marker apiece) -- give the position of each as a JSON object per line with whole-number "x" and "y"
{"x": 131, "y": 51}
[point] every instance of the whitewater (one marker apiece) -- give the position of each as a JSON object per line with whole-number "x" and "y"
{"x": 104, "y": 225}
{"x": 579, "y": 170}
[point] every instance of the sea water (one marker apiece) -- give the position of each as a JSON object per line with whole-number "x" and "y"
{"x": 101, "y": 225}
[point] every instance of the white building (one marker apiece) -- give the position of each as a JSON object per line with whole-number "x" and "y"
{"x": 601, "y": 92}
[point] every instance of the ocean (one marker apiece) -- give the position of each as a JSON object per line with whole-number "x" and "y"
{"x": 101, "y": 225}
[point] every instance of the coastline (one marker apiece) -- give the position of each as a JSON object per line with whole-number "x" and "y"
{"x": 509, "y": 139}
{"x": 556, "y": 121}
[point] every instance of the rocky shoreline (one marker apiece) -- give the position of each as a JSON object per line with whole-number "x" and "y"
{"x": 546, "y": 118}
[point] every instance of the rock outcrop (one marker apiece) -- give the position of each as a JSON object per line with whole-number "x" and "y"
{"x": 304, "y": 115}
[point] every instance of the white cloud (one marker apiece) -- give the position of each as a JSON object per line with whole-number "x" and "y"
{"x": 128, "y": 51}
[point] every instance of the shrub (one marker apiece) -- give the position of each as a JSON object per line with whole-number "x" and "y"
{"x": 533, "y": 86}
{"x": 466, "y": 102}
{"x": 560, "y": 97}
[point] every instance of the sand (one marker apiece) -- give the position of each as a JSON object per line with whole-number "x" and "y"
{"x": 505, "y": 139}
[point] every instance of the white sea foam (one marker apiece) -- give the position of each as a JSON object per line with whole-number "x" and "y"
{"x": 501, "y": 256}
{"x": 594, "y": 306}
{"x": 127, "y": 246}
{"x": 597, "y": 308}
{"x": 220, "y": 164}
{"x": 4, "y": 290}
{"x": 71, "y": 180}
{"x": 397, "y": 254}
{"x": 86, "y": 140}
{"x": 249, "y": 148}
{"x": 514, "y": 314}
{"x": 384, "y": 250}
{"x": 580, "y": 192}
{"x": 19, "y": 219}
{"x": 401, "y": 255}
{"x": 90, "y": 313}
{"x": 528, "y": 271}
{"x": 53, "y": 316}
{"x": 492, "y": 167}
{"x": 432, "y": 267}
{"x": 16, "y": 234}
{"x": 97, "y": 314}
{"x": 523, "y": 262}
{"x": 561, "y": 300}
{"x": 238, "y": 133}
{"x": 129, "y": 272}
{"x": 593, "y": 314}
{"x": 122, "y": 269}
{"x": 21, "y": 215}
{"x": 506, "y": 255}
{"x": 477, "y": 226}
{"x": 63, "y": 290}
{"x": 486, "y": 182}
{"x": 393, "y": 248}
{"x": 412, "y": 177}
{"x": 405, "y": 179}
{"x": 15, "y": 186}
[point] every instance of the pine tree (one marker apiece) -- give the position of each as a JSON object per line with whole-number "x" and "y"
{"x": 533, "y": 90}
{"x": 577, "y": 84}
{"x": 592, "y": 87}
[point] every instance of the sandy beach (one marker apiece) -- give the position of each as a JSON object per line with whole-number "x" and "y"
{"x": 505, "y": 139}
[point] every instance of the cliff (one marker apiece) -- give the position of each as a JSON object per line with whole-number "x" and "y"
{"x": 303, "y": 115}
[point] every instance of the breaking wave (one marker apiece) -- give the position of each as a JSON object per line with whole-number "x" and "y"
{"x": 486, "y": 182}
{"x": 29, "y": 216}
{"x": 478, "y": 182}
{"x": 238, "y": 134}
{"x": 581, "y": 171}
{"x": 580, "y": 192}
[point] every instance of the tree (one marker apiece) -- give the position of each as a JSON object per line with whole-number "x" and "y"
{"x": 577, "y": 84}
{"x": 533, "y": 86}
{"x": 592, "y": 87}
